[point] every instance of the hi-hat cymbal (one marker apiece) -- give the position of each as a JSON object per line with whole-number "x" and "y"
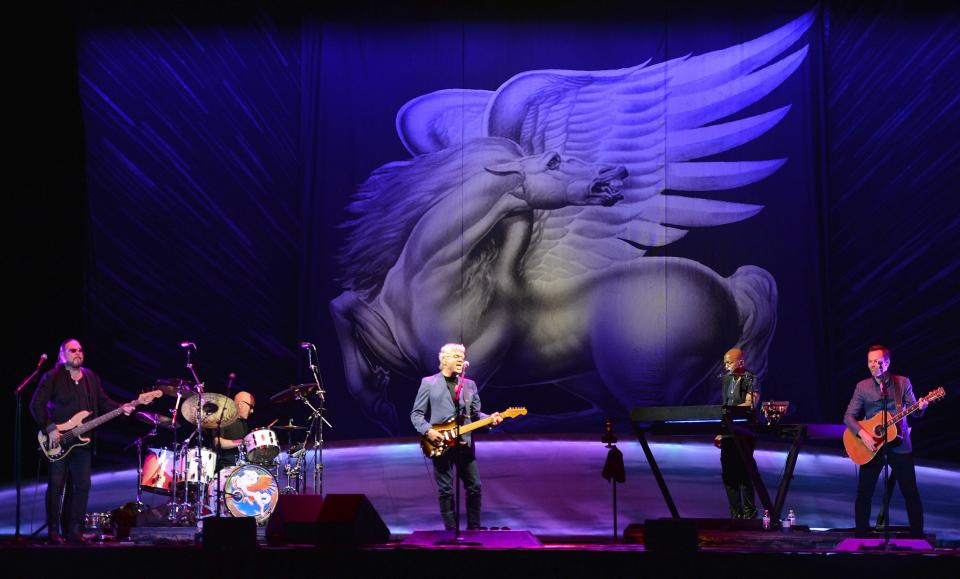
{"x": 156, "y": 420}
{"x": 293, "y": 392}
{"x": 289, "y": 427}
{"x": 215, "y": 410}
{"x": 173, "y": 386}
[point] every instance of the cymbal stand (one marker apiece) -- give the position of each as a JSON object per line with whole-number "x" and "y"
{"x": 316, "y": 423}
{"x": 175, "y": 508}
{"x": 139, "y": 444}
{"x": 201, "y": 490}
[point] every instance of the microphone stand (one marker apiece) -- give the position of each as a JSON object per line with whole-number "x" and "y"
{"x": 320, "y": 421}
{"x": 886, "y": 466}
{"x": 17, "y": 442}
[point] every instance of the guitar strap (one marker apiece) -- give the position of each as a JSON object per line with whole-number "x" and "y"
{"x": 898, "y": 393}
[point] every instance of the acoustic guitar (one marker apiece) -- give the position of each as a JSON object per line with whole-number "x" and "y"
{"x": 858, "y": 451}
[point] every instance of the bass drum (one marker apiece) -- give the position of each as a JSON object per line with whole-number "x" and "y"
{"x": 249, "y": 490}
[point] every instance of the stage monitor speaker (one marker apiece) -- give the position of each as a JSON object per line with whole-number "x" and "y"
{"x": 350, "y": 519}
{"x": 295, "y": 520}
{"x": 670, "y": 535}
{"x": 238, "y": 533}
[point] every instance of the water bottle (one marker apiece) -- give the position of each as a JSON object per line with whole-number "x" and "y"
{"x": 766, "y": 520}
{"x": 792, "y": 519}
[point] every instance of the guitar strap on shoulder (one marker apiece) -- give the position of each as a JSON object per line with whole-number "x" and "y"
{"x": 898, "y": 392}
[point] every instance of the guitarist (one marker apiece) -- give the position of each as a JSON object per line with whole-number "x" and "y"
{"x": 63, "y": 391}
{"x": 866, "y": 402}
{"x": 445, "y": 394}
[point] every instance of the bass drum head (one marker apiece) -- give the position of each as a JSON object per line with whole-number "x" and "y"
{"x": 251, "y": 491}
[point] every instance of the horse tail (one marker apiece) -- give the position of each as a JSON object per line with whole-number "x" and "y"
{"x": 755, "y": 292}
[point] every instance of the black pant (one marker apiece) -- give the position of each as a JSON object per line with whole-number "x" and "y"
{"x": 466, "y": 461}
{"x": 902, "y": 466}
{"x": 736, "y": 477}
{"x": 74, "y": 469}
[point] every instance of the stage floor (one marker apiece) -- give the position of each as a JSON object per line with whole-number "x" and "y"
{"x": 552, "y": 486}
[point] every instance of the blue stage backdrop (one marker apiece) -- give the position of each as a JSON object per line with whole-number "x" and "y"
{"x": 597, "y": 209}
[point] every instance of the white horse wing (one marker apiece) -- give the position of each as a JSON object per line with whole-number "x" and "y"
{"x": 653, "y": 119}
{"x": 442, "y": 119}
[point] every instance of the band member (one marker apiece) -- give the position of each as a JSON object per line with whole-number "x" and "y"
{"x": 63, "y": 391}
{"x": 231, "y": 438}
{"x": 867, "y": 401}
{"x": 445, "y": 394}
{"x": 740, "y": 388}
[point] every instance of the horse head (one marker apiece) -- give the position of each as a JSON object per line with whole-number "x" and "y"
{"x": 551, "y": 181}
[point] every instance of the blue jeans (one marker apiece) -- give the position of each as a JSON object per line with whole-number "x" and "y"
{"x": 466, "y": 461}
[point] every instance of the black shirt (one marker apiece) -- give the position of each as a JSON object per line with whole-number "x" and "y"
{"x": 58, "y": 397}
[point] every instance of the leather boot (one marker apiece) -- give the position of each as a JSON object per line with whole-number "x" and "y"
{"x": 54, "y": 537}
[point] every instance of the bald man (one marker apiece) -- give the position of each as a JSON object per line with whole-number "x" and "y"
{"x": 231, "y": 438}
{"x": 740, "y": 388}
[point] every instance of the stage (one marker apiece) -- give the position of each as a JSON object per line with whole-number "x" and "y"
{"x": 553, "y": 488}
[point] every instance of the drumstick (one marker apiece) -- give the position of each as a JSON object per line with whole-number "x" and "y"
{"x": 272, "y": 423}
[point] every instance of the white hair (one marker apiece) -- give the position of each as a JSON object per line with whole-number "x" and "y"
{"x": 448, "y": 349}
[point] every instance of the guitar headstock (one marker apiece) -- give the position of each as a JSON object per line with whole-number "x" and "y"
{"x": 148, "y": 397}
{"x": 934, "y": 395}
{"x": 513, "y": 412}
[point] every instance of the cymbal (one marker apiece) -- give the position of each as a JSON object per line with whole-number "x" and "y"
{"x": 156, "y": 420}
{"x": 212, "y": 407}
{"x": 293, "y": 392}
{"x": 173, "y": 386}
{"x": 289, "y": 427}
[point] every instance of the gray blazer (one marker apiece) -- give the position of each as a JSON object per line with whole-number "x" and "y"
{"x": 866, "y": 402}
{"x": 435, "y": 396}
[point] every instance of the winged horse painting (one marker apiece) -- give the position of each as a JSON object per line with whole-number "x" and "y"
{"x": 521, "y": 222}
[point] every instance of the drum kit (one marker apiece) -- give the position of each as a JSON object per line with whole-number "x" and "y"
{"x": 187, "y": 471}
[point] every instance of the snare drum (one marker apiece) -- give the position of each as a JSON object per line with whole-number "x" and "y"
{"x": 250, "y": 491}
{"x": 192, "y": 459}
{"x": 261, "y": 446}
{"x": 157, "y": 475}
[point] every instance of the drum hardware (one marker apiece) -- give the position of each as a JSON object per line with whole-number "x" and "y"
{"x": 175, "y": 386}
{"x": 156, "y": 420}
{"x": 140, "y": 507}
{"x": 301, "y": 392}
{"x": 100, "y": 525}
{"x": 199, "y": 409}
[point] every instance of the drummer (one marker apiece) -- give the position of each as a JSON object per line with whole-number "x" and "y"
{"x": 231, "y": 438}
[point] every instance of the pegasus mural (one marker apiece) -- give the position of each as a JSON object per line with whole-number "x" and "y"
{"x": 521, "y": 223}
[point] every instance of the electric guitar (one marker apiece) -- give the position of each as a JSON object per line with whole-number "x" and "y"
{"x": 858, "y": 451}
{"x": 72, "y": 430}
{"x": 448, "y": 430}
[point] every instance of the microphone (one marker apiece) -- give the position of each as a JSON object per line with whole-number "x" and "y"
{"x": 189, "y": 345}
{"x": 43, "y": 358}
{"x": 306, "y": 345}
{"x": 466, "y": 364}
{"x": 230, "y": 379}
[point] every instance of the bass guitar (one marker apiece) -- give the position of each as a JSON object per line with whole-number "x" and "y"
{"x": 71, "y": 431}
{"x": 448, "y": 430}
{"x": 858, "y": 451}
